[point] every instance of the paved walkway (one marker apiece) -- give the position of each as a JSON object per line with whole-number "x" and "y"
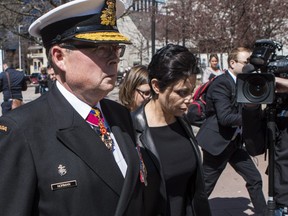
{"x": 229, "y": 198}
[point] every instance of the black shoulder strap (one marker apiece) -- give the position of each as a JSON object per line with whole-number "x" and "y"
{"x": 9, "y": 84}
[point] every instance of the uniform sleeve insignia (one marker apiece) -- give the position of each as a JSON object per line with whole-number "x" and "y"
{"x": 3, "y": 128}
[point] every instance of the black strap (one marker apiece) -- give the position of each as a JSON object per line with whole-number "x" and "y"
{"x": 9, "y": 85}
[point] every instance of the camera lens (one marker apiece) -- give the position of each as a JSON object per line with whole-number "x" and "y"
{"x": 256, "y": 88}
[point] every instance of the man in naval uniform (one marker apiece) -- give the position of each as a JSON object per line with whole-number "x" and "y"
{"x": 52, "y": 161}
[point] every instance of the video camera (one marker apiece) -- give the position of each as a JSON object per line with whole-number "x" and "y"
{"x": 257, "y": 82}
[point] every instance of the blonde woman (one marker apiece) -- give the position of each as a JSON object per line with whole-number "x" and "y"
{"x": 134, "y": 89}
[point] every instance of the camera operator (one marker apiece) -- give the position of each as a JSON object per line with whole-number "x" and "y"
{"x": 224, "y": 123}
{"x": 255, "y": 133}
{"x": 269, "y": 128}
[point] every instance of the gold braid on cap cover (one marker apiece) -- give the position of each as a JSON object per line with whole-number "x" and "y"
{"x": 103, "y": 36}
{"x": 107, "y": 18}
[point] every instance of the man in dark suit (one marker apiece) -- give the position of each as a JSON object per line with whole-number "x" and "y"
{"x": 53, "y": 162}
{"x": 12, "y": 83}
{"x": 220, "y": 135}
{"x": 51, "y": 76}
{"x": 260, "y": 131}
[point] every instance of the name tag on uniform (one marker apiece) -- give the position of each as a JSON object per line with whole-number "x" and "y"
{"x": 64, "y": 185}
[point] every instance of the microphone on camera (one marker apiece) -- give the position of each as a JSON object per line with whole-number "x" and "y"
{"x": 248, "y": 68}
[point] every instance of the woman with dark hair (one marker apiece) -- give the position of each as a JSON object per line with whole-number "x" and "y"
{"x": 213, "y": 70}
{"x": 166, "y": 136}
{"x": 134, "y": 89}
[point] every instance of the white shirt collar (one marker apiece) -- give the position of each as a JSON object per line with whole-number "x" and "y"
{"x": 82, "y": 108}
{"x": 232, "y": 75}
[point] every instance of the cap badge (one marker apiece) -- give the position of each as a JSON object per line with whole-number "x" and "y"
{"x": 108, "y": 14}
{"x": 62, "y": 170}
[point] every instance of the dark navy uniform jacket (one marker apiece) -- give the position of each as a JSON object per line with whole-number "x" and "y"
{"x": 53, "y": 163}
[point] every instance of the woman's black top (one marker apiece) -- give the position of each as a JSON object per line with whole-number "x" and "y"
{"x": 179, "y": 166}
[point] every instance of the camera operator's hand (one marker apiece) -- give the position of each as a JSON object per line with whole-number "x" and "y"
{"x": 281, "y": 85}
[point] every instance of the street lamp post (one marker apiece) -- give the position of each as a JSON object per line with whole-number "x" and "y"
{"x": 153, "y": 26}
{"x": 19, "y": 49}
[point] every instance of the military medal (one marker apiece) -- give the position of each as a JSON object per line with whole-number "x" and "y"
{"x": 97, "y": 121}
{"x": 143, "y": 170}
{"x": 105, "y": 135}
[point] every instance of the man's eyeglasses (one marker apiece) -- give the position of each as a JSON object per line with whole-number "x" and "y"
{"x": 101, "y": 50}
{"x": 144, "y": 93}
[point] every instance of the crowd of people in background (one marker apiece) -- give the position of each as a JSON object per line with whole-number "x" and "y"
{"x": 13, "y": 82}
